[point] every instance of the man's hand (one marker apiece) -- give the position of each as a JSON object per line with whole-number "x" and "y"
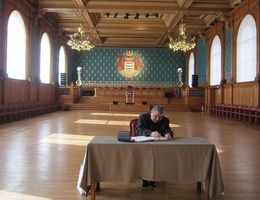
{"x": 155, "y": 134}
{"x": 168, "y": 136}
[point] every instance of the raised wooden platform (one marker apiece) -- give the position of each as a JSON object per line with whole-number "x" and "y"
{"x": 113, "y": 99}
{"x": 130, "y": 107}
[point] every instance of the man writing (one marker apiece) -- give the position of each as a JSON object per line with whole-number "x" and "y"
{"x": 154, "y": 124}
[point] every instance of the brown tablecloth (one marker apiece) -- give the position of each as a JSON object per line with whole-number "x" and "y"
{"x": 180, "y": 160}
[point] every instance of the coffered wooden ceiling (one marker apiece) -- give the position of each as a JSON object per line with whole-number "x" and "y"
{"x": 105, "y": 19}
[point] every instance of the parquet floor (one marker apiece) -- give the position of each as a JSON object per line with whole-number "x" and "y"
{"x": 40, "y": 157}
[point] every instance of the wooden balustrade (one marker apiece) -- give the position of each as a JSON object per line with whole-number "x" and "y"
{"x": 121, "y": 92}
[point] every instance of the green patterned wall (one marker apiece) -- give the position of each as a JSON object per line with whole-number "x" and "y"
{"x": 159, "y": 65}
{"x": 201, "y": 60}
{"x": 228, "y": 55}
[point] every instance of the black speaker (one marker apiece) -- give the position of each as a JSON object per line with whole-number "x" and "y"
{"x": 195, "y": 80}
{"x": 63, "y": 79}
{"x": 115, "y": 102}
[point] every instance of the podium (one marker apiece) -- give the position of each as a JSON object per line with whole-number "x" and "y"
{"x": 130, "y": 95}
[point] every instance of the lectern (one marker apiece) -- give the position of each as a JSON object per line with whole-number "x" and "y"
{"x": 130, "y": 95}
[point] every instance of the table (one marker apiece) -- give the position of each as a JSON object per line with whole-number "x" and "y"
{"x": 183, "y": 159}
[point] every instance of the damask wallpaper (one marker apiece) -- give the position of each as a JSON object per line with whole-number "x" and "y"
{"x": 159, "y": 65}
{"x": 228, "y": 55}
{"x": 201, "y": 60}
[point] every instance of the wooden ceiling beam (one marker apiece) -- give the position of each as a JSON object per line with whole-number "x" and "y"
{"x": 160, "y": 10}
{"x": 196, "y": 14}
{"x": 87, "y": 19}
{"x": 168, "y": 10}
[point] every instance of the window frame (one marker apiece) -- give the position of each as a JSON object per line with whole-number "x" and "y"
{"x": 65, "y": 64}
{"x": 190, "y": 75}
{"x": 216, "y": 51}
{"x": 239, "y": 70}
{"x": 25, "y": 45}
{"x": 49, "y": 57}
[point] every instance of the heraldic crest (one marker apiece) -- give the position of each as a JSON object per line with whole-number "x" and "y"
{"x": 129, "y": 64}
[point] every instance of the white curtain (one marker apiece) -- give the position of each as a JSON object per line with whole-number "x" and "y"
{"x": 246, "y": 50}
{"x": 215, "y": 61}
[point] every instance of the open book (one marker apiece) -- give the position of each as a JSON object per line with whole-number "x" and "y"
{"x": 146, "y": 138}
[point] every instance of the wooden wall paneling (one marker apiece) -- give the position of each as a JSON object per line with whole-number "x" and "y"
{"x": 258, "y": 85}
{"x": 212, "y": 95}
{"x": 246, "y": 94}
{"x": 46, "y": 92}
{"x": 196, "y": 101}
{"x": 210, "y": 99}
{"x": 16, "y": 91}
{"x": 1, "y": 90}
{"x": 34, "y": 92}
{"x": 218, "y": 96}
{"x": 207, "y": 103}
{"x": 227, "y": 94}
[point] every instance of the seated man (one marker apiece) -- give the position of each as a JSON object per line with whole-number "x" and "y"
{"x": 154, "y": 124}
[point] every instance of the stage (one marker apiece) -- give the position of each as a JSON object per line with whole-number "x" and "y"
{"x": 129, "y": 107}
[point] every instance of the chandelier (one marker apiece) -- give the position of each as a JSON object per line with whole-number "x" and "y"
{"x": 182, "y": 42}
{"x": 80, "y": 41}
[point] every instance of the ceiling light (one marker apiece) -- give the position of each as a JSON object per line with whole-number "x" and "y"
{"x": 182, "y": 42}
{"x": 80, "y": 41}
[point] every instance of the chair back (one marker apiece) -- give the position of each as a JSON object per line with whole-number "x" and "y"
{"x": 133, "y": 124}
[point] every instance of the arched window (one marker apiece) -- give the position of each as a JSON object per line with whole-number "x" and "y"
{"x": 191, "y": 68}
{"x": 246, "y": 50}
{"x": 16, "y": 47}
{"x": 45, "y": 63}
{"x": 215, "y": 61}
{"x": 62, "y": 63}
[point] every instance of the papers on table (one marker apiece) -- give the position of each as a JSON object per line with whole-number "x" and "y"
{"x": 147, "y": 139}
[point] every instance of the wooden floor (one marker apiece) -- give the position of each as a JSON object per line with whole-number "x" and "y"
{"x": 40, "y": 157}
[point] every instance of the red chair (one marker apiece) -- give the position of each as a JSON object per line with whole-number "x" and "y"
{"x": 133, "y": 124}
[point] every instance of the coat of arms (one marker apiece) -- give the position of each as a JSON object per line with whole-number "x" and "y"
{"x": 129, "y": 65}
